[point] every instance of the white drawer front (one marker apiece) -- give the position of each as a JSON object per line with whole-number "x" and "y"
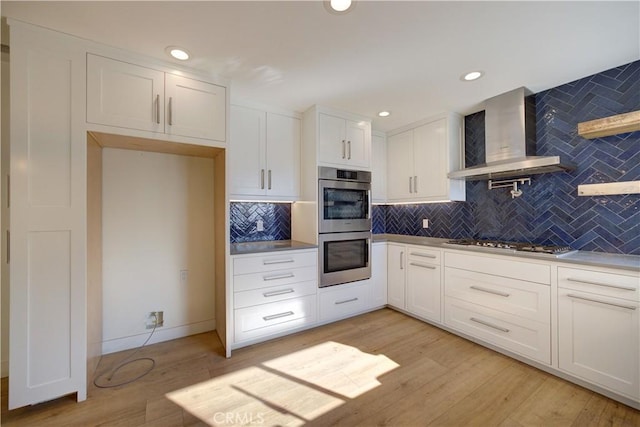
{"x": 339, "y": 303}
{"x": 273, "y": 294}
{"x": 523, "y": 336}
{"x": 270, "y": 279}
{"x": 607, "y": 284}
{"x": 274, "y": 261}
{"x": 265, "y": 319}
{"x": 429, "y": 256}
{"x": 512, "y": 268}
{"x": 517, "y": 297}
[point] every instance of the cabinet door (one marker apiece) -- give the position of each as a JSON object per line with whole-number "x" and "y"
{"x": 358, "y": 136}
{"x": 48, "y": 280}
{"x": 430, "y": 160}
{"x": 247, "y": 167}
{"x": 423, "y": 289}
{"x": 599, "y": 340}
{"x": 378, "y": 168}
{"x": 378, "y": 275}
{"x": 396, "y": 257}
{"x": 124, "y": 95}
{"x": 400, "y": 166}
{"x": 195, "y": 109}
{"x": 332, "y": 139}
{"x": 283, "y": 156}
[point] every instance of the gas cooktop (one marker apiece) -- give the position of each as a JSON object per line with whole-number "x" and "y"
{"x": 514, "y": 246}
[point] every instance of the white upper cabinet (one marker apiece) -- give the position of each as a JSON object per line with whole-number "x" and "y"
{"x": 420, "y": 155}
{"x": 264, "y": 155}
{"x": 130, "y": 96}
{"x": 378, "y": 167}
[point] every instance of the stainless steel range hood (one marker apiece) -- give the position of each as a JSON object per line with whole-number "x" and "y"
{"x": 510, "y": 137}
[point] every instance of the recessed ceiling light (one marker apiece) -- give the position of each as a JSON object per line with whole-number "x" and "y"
{"x": 178, "y": 53}
{"x": 339, "y": 7}
{"x": 473, "y": 75}
{"x": 384, "y": 114}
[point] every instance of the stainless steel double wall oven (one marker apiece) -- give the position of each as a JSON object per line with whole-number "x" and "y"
{"x": 344, "y": 215}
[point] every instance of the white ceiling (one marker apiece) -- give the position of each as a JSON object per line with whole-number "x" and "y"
{"x": 406, "y": 57}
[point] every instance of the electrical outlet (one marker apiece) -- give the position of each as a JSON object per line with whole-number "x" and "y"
{"x": 260, "y": 225}
{"x": 425, "y": 223}
{"x": 155, "y": 319}
{"x": 184, "y": 277}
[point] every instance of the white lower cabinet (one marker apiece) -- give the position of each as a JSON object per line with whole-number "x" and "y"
{"x": 599, "y": 328}
{"x": 509, "y": 307}
{"x": 342, "y": 301}
{"x": 378, "y": 295}
{"x": 273, "y": 293}
{"x": 396, "y": 273}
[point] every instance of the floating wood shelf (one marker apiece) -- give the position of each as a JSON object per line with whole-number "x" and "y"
{"x": 621, "y": 123}
{"x": 609, "y": 188}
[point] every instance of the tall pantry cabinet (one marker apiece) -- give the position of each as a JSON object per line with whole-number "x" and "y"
{"x": 48, "y": 343}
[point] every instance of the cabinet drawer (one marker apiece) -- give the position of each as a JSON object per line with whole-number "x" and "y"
{"x": 245, "y": 282}
{"x": 517, "y": 297}
{"x": 274, "y": 261}
{"x": 338, "y": 303}
{"x": 517, "y": 334}
{"x": 265, "y": 319}
{"x": 520, "y": 270}
{"x": 429, "y": 256}
{"x": 607, "y": 284}
{"x": 273, "y": 294}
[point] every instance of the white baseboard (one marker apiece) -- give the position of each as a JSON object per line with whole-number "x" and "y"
{"x": 4, "y": 369}
{"x": 160, "y": 335}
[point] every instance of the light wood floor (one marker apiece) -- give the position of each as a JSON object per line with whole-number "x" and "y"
{"x": 379, "y": 369}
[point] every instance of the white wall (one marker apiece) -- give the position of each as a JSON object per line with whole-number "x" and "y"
{"x": 157, "y": 220}
{"x": 4, "y": 137}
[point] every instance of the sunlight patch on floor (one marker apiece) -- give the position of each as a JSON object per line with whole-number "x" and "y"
{"x": 288, "y": 390}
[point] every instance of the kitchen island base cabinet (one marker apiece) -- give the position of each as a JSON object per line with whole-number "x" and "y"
{"x": 599, "y": 330}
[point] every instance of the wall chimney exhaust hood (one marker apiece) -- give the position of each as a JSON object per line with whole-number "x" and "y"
{"x": 510, "y": 139}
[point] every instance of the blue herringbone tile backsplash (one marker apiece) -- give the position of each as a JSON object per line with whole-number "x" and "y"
{"x": 550, "y": 210}
{"x": 276, "y": 218}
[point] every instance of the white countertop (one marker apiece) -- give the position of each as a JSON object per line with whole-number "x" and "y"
{"x": 587, "y": 258}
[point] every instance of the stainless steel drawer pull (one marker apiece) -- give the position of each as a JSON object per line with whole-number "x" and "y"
{"x": 277, "y": 261}
{"x": 277, "y": 316}
{"x": 628, "y": 307}
{"x": 401, "y": 260}
{"x": 432, "y": 267}
{"x": 415, "y": 184}
{"x": 410, "y": 184}
{"x": 344, "y": 148}
{"x": 491, "y": 325}
{"x": 606, "y": 285}
{"x": 276, "y": 293}
{"x": 423, "y": 255}
{"x": 490, "y": 291}
{"x": 269, "y": 180}
{"x": 346, "y": 301}
{"x": 170, "y": 111}
{"x": 278, "y": 276}
{"x": 349, "y": 147}
{"x": 158, "y": 109}
{"x": 262, "y": 179}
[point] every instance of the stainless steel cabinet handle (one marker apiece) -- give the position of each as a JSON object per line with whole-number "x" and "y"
{"x": 8, "y": 191}
{"x": 349, "y": 149}
{"x": 346, "y": 301}
{"x": 491, "y": 325}
{"x": 415, "y": 184}
{"x": 8, "y": 246}
{"x": 277, "y": 261}
{"x": 423, "y": 255}
{"x": 628, "y": 307}
{"x": 432, "y": 267}
{"x": 262, "y": 179}
{"x": 606, "y": 285}
{"x": 170, "y": 111}
{"x": 277, "y": 316}
{"x": 344, "y": 148}
{"x": 489, "y": 291}
{"x": 278, "y": 276}
{"x": 401, "y": 260}
{"x": 276, "y": 293}
{"x": 158, "y": 109}
{"x": 410, "y": 184}
{"x": 269, "y": 180}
